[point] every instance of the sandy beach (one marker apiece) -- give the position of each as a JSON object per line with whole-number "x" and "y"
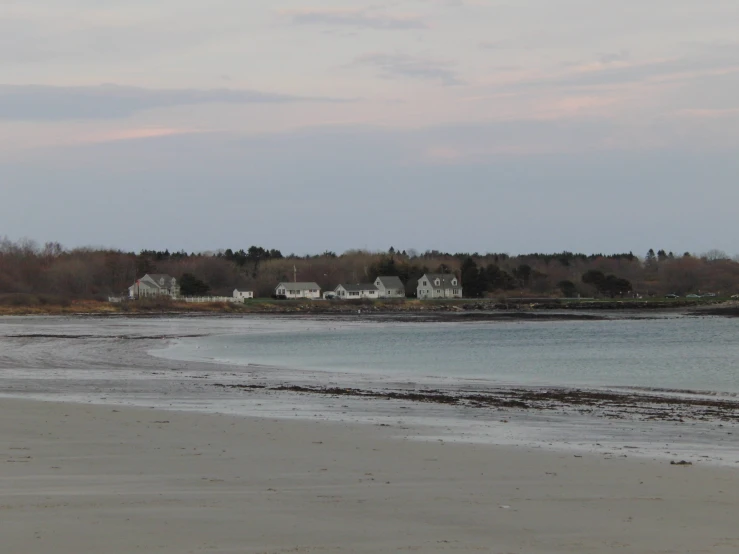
{"x": 82, "y": 478}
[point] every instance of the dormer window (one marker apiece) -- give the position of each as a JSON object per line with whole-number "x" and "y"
{"x": 437, "y": 282}
{"x": 454, "y": 282}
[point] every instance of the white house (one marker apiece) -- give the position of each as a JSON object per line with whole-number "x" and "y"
{"x": 154, "y": 284}
{"x": 298, "y": 290}
{"x": 354, "y": 292}
{"x": 439, "y": 285}
{"x": 243, "y": 294}
{"x": 390, "y": 287}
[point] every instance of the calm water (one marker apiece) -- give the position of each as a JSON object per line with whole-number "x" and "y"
{"x": 668, "y": 353}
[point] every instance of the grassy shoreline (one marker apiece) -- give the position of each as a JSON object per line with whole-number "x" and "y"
{"x": 270, "y": 306}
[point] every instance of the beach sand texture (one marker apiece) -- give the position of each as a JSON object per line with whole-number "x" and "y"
{"x": 81, "y": 478}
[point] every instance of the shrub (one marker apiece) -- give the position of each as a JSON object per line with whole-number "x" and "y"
{"x": 54, "y": 300}
{"x": 359, "y": 301}
{"x": 154, "y": 303}
{"x": 19, "y": 300}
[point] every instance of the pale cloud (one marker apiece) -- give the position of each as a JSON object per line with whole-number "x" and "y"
{"x": 620, "y": 71}
{"x": 465, "y": 156}
{"x": 36, "y": 102}
{"x": 358, "y": 18}
{"x": 611, "y": 57}
{"x": 394, "y": 66}
{"x": 708, "y": 113}
{"x": 82, "y": 42}
{"x": 577, "y": 105}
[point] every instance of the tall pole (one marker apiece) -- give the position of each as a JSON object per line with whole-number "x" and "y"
{"x": 295, "y": 274}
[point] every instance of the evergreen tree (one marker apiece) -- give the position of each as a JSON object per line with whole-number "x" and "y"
{"x": 594, "y": 277}
{"x": 497, "y": 279}
{"x": 650, "y": 262}
{"x": 192, "y": 286}
{"x": 474, "y": 285}
{"x": 608, "y": 285}
{"x": 568, "y": 288}
{"x": 615, "y": 286}
{"x": 523, "y": 274}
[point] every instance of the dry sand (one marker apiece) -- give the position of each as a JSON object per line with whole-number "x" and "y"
{"x": 98, "y": 479}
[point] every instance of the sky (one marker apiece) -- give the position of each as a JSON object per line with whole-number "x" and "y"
{"x": 454, "y": 125}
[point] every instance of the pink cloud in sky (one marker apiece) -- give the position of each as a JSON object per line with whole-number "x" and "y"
{"x": 22, "y": 141}
{"x": 131, "y": 134}
{"x": 573, "y": 106}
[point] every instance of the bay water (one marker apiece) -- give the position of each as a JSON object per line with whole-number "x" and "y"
{"x": 663, "y": 353}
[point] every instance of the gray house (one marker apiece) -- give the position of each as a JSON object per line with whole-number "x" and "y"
{"x": 439, "y": 285}
{"x": 390, "y": 287}
{"x": 154, "y": 284}
{"x": 360, "y": 290}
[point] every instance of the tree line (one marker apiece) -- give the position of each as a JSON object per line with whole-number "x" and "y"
{"x": 50, "y": 269}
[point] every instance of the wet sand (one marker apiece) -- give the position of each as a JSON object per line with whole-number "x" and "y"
{"x": 82, "y": 478}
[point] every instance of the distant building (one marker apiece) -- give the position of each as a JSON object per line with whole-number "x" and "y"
{"x": 154, "y": 284}
{"x": 243, "y": 294}
{"x": 390, "y": 287}
{"x": 354, "y": 292}
{"x": 439, "y": 285}
{"x": 298, "y": 290}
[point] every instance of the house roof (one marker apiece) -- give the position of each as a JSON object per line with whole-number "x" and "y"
{"x": 444, "y": 278}
{"x": 359, "y": 287}
{"x": 391, "y": 282}
{"x": 156, "y": 277}
{"x": 298, "y": 286}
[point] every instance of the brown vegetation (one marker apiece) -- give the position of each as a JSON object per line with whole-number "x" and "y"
{"x": 53, "y": 279}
